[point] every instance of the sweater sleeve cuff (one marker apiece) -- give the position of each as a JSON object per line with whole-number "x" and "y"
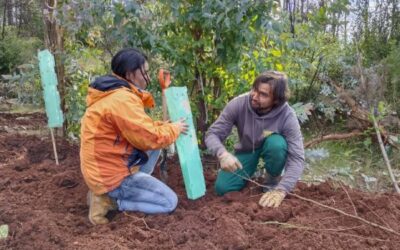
{"x": 283, "y": 188}
{"x": 220, "y": 151}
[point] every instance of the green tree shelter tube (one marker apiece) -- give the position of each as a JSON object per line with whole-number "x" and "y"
{"x": 50, "y": 92}
{"x": 187, "y": 145}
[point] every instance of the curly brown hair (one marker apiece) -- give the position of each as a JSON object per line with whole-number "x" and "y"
{"x": 278, "y": 82}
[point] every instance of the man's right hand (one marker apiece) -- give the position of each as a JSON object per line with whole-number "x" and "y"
{"x": 182, "y": 125}
{"x": 229, "y": 162}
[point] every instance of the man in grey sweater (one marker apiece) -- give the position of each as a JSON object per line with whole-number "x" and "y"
{"x": 268, "y": 128}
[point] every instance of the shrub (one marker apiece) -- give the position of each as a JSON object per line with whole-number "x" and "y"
{"x": 15, "y": 51}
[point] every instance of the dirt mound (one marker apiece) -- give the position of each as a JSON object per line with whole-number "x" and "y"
{"x": 45, "y": 208}
{"x": 27, "y": 124}
{"x": 30, "y": 119}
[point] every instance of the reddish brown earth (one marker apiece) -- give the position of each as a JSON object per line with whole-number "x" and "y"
{"x": 45, "y": 208}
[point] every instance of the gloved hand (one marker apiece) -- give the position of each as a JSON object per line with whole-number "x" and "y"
{"x": 272, "y": 198}
{"x": 229, "y": 162}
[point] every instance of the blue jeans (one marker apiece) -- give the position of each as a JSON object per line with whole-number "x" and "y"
{"x": 144, "y": 193}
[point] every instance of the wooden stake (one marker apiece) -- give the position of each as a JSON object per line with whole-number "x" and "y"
{"x": 164, "y": 78}
{"x": 54, "y": 145}
{"x": 385, "y": 156}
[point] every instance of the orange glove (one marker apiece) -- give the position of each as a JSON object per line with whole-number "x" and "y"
{"x": 229, "y": 162}
{"x": 272, "y": 199}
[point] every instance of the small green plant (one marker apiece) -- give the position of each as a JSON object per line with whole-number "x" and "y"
{"x": 16, "y": 51}
{"x": 24, "y": 85}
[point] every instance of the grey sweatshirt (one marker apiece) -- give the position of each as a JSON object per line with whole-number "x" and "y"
{"x": 250, "y": 127}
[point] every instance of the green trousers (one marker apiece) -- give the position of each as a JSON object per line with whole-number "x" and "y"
{"x": 273, "y": 151}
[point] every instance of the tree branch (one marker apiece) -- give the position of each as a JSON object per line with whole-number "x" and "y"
{"x": 332, "y": 137}
{"x": 332, "y": 230}
{"x": 346, "y": 214}
{"x": 330, "y": 208}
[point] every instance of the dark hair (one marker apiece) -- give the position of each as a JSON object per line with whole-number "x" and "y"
{"x": 127, "y": 60}
{"x": 278, "y": 82}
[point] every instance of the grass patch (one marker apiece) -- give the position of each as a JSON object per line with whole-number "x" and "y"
{"x": 356, "y": 162}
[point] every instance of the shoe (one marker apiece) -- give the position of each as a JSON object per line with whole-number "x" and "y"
{"x": 270, "y": 182}
{"x": 99, "y": 205}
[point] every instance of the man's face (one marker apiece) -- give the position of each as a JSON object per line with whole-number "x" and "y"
{"x": 262, "y": 99}
{"x": 139, "y": 76}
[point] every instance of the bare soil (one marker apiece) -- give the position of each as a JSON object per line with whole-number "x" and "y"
{"x": 45, "y": 208}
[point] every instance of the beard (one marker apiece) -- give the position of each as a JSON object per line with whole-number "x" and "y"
{"x": 258, "y": 108}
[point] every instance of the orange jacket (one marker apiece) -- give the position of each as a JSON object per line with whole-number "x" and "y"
{"x": 114, "y": 125}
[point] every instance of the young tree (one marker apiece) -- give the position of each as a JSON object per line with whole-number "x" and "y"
{"x": 54, "y": 41}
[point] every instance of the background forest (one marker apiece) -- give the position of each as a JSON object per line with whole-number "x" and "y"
{"x": 342, "y": 58}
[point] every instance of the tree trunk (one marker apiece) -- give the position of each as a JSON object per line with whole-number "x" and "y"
{"x": 200, "y": 84}
{"x": 291, "y": 8}
{"x": 345, "y": 29}
{"x": 302, "y": 13}
{"x": 10, "y": 12}
{"x": 201, "y": 106}
{"x": 4, "y": 19}
{"x": 19, "y": 16}
{"x": 216, "y": 94}
{"x": 394, "y": 19}
{"x": 365, "y": 16}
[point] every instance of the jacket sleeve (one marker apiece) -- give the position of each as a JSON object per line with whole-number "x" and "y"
{"x": 295, "y": 158}
{"x": 128, "y": 116}
{"x": 220, "y": 129}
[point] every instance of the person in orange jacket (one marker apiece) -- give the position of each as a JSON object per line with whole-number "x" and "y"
{"x": 120, "y": 143}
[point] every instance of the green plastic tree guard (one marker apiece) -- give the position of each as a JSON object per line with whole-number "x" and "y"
{"x": 50, "y": 92}
{"x": 187, "y": 147}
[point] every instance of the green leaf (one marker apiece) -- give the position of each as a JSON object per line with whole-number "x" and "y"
{"x": 3, "y": 231}
{"x": 227, "y": 23}
{"x": 276, "y": 53}
{"x": 239, "y": 17}
{"x": 277, "y": 27}
{"x": 278, "y": 66}
{"x": 303, "y": 111}
{"x": 381, "y": 108}
{"x": 220, "y": 17}
{"x": 367, "y": 142}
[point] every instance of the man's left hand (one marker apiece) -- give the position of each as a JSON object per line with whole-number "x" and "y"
{"x": 272, "y": 199}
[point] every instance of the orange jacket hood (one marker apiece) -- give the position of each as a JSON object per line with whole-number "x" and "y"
{"x": 105, "y": 85}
